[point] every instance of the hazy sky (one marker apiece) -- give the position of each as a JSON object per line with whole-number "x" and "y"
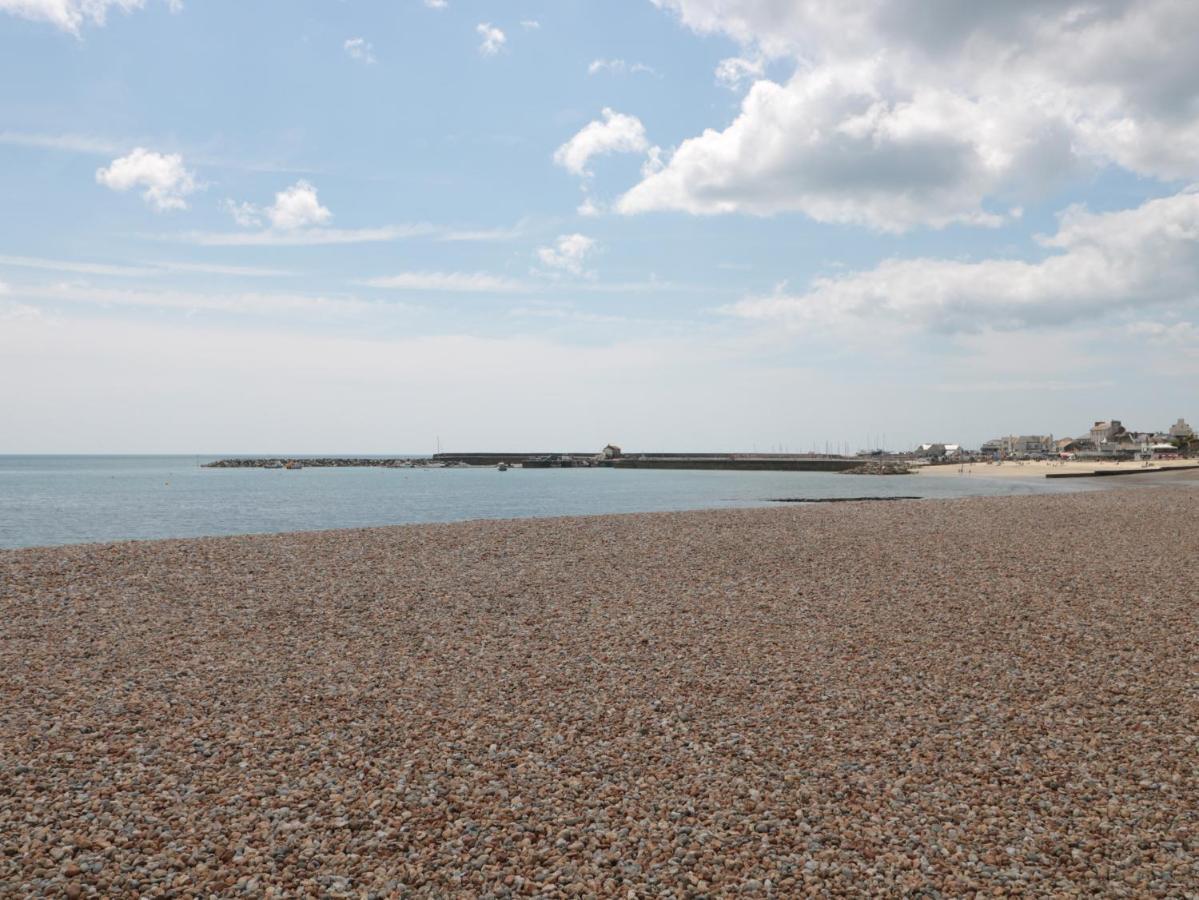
{"x": 342, "y": 225}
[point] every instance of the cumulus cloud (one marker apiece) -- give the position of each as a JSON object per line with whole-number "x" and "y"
{"x": 295, "y": 207}
{"x": 71, "y": 15}
{"x": 615, "y": 133}
{"x": 493, "y": 39}
{"x": 568, "y": 253}
{"x": 361, "y": 50}
{"x": 454, "y": 282}
{"x": 970, "y": 107}
{"x": 830, "y": 146}
{"x": 167, "y": 183}
{"x": 1099, "y": 264}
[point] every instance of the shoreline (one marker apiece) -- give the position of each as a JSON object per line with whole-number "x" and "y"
{"x": 829, "y": 698}
{"x": 1139, "y": 480}
{"x": 1072, "y": 468}
{"x": 765, "y": 503}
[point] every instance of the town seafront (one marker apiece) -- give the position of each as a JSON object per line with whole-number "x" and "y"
{"x": 957, "y": 696}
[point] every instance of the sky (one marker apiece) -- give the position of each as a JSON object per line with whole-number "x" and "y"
{"x": 322, "y": 226}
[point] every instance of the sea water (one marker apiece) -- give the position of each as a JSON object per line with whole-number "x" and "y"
{"x": 74, "y": 499}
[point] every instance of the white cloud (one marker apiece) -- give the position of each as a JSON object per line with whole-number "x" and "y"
{"x": 970, "y": 106}
{"x": 437, "y": 4}
{"x": 568, "y": 253}
{"x": 297, "y": 207}
{"x": 616, "y": 133}
{"x": 163, "y": 176}
{"x": 1181, "y": 333}
{"x": 731, "y": 72}
{"x": 219, "y": 269}
{"x": 309, "y": 237}
{"x": 18, "y": 312}
{"x": 493, "y": 39}
{"x": 618, "y": 67}
{"x": 566, "y": 313}
{"x": 1102, "y": 264}
{"x": 303, "y": 237}
{"x": 73, "y": 143}
{"x": 247, "y": 215}
{"x": 454, "y": 282}
{"x": 530, "y": 24}
{"x": 71, "y": 15}
{"x": 829, "y": 145}
{"x": 361, "y": 50}
{"x": 83, "y": 268}
{"x": 249, "y": 303}
{"x": 146, "y": 270}
{"x": 456, "y": 235}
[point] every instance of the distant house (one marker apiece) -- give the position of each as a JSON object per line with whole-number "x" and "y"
{"x": 939, "y": 451}
{"x": 1030, "y": 444}
{"x": 1181, "y": 429}
{"x": 1105, "y": 432}
{"x": 1020, "y": 445}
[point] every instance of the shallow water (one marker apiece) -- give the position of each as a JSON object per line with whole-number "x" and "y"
{"x": 75, "y": 499}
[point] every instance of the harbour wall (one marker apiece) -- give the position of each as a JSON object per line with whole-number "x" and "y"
{"x": 739, "y": 462}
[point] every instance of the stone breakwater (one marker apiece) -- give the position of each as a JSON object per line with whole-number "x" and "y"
{"x": 826, "y": 700}
{"x": 325, "y": 462}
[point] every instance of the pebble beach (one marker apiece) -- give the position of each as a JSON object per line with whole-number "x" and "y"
{"x": 979, "y": 697}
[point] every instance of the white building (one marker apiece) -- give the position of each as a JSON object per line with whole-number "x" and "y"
{"x": 936, "y": 451}
{"x": 1020, "y": 445}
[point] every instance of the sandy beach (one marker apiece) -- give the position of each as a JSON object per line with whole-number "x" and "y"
{"x": 988, "y": 695}
{"x": 1041, "y": 468}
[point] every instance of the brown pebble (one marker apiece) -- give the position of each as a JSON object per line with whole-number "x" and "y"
{"x": 962, "y": 698}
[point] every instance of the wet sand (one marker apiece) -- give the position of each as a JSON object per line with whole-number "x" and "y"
{"x": 994, "y": 694}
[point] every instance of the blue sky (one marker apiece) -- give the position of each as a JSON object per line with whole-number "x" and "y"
{"x": 359, "y": 226}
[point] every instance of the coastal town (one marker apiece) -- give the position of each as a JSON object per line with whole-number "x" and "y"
{"x": 1106, "y": 440}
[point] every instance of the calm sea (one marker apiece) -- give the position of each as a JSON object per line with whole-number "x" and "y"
{"x": 75, "y": 499}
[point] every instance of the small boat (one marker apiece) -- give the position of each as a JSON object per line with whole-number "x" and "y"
{"x": 503, "y": 467}
{"x": 293, "y": 464}
{"x": 273, "y": 464}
